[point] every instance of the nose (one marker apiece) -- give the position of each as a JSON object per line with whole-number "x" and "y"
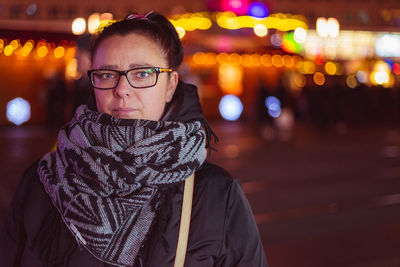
{"x": 123, "y": 89}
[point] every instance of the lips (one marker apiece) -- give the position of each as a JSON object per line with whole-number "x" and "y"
{"x": 123, "y": 112}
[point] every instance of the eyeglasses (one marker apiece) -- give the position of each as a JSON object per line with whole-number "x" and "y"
{"x": 142, "y": 77}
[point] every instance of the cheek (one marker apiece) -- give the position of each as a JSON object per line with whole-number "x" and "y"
{"x": 102, "y": 100}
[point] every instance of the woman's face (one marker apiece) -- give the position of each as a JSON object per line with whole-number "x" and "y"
{"x": 125, "y": 52}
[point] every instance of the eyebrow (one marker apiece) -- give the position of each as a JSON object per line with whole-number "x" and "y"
{"x": 130, "y": 66}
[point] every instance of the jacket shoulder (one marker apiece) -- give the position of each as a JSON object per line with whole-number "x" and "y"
{"x": 210, "y": 173}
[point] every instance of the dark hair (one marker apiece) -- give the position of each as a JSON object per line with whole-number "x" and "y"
{"x": 154, "y": 26}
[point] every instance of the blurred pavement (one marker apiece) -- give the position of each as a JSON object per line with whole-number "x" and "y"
{"x": 320, "y": 199}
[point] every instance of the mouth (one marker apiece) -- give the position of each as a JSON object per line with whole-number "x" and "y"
{"x": 123, "y": 113}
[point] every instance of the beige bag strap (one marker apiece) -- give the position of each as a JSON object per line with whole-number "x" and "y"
{"x": 185, "y": 222}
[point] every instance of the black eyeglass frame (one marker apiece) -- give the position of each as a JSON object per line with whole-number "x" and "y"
{"x": 158, "y": 70}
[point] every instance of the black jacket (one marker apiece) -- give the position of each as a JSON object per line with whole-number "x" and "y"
{"x": 222, "y": 231}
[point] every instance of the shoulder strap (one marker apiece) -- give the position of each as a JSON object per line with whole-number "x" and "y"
{"x": 185, "y": 222}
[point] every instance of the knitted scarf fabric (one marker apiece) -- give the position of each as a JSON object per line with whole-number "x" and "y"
{"x": 104, "y": 176}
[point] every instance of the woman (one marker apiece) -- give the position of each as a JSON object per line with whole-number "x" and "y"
{"x": 111, "y": 194}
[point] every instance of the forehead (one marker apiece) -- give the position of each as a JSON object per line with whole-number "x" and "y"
{"x": 131, "y": 49}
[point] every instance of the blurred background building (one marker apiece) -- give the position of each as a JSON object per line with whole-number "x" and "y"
{"x": 247, "y": 49}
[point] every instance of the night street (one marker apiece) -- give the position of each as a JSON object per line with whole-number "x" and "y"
{"x": 319, "y": 199}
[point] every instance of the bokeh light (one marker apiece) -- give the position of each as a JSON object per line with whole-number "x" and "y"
{"x": 396, "y": 68}
{"x": 42, "y": 51}
{"x": 361, "y": 76}
{"x": 31, "y": 9}
{"x": 351, "y": 81}
{"x": 300, "y": 35}
{"x": 289, "y": 44}
{"x": 277, "y": 61}
{"x": 8, "y": 50}
{"x": 230, "y": 78}
{"x": 93, "y": 23}
{"x": 333, "y": 27}
{"x": 258, "y": 10}
{"x": 199, "y": 58}
{"x": 300, "y": 80}
{"x": 181, "y": 31}
{"x": 15, "y": 44}
{"x": 266, "y": 60}
{"x": 260, "y": 30}
{"x": 222, "y": 58}
{"x": 230, "y": 107}
{"x": 27, "y": 48}
{"x": 287, "y": 61}
{"x": 330, "y": 68}
{"x": 273, "y": 105}
{"x": 319, "y": 78}
{"x": 237, "y": 6}
{"x": 18, "y": 111}
{"x": 59, "y": 52}
{"x": 322, "y": 27}
{"x": 235, "y": 59}
{"x": 78, "y": 26}
{"x": 276, "y": 40}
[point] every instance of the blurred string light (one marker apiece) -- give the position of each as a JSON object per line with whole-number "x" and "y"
{"x": 59, "y": 52}
{"x": 253, "y": 60}
{"x": 1, "y": 45}
{"x": 266, "y": 60}
{"x": 277, "y": 61}
{"x": 273, "y": 104}
{"x": 42, "y": 50}
{"x": 288, "y": 61}
{"x": 8, "y": 50}
{"x": 78, "y": 26}
{"x": 27, "y": 48}
{"x": 192, "y": 21}
{"x": 230, "y": 107}
{"x": 306, "y": 67}
{"x": 281, "y": 22}
{"x": 18, "y": 111}
{"x": 15, "y": 44}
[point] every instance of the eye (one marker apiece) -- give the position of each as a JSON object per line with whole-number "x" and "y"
{"x": 105, "y": 75}
{"x": 144, "y": 73}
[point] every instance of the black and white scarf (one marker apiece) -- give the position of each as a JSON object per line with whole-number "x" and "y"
{"x": 105, "y": 173}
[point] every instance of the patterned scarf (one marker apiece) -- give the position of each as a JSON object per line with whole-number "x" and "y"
{"x": 104, "y": 176}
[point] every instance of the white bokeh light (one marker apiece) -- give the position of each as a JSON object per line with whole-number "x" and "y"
{"x": 230, "y": 107}
{"x": 18, "y": 111}
{"x": 78, "y": 26}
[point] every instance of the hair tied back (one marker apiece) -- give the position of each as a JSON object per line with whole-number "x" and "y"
{"x": 138, "y": 16}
